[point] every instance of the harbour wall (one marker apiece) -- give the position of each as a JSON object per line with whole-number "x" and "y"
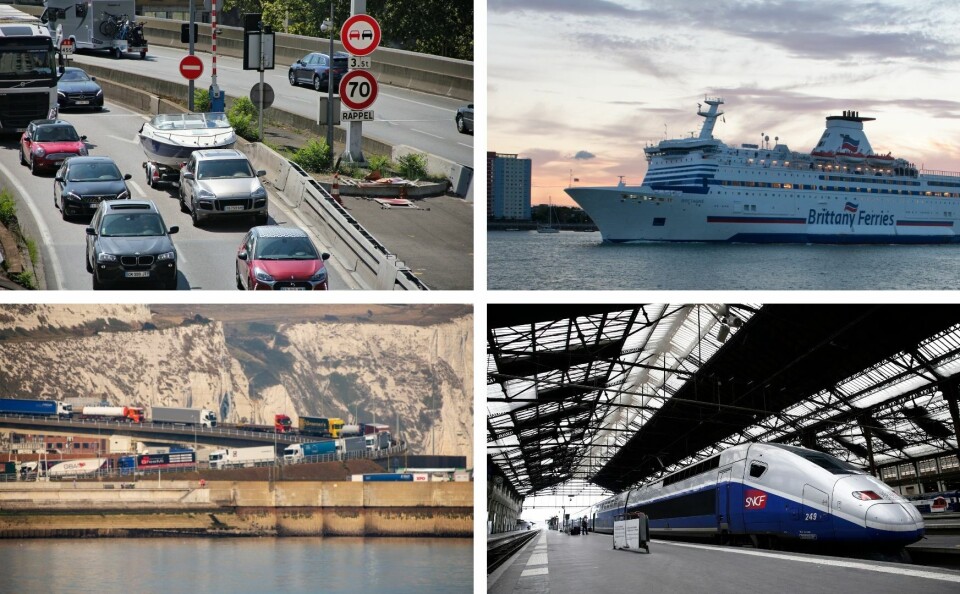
{"x": 236, "y": 508}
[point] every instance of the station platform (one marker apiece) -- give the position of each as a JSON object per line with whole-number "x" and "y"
{"x": 558, "y": 563}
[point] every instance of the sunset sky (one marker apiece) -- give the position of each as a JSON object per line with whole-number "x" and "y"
{"x": 581, "y": 86}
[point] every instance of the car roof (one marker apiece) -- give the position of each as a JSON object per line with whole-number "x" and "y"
{"x": 278, "y": 231}
{"x": 130, "y": 205}
{"x": 90, "y": 159}
{"x": 51, "y": 123}
{"x": 207, "y": 154}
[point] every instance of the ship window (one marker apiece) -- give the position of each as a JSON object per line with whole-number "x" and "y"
{"x": 659, "y": 221}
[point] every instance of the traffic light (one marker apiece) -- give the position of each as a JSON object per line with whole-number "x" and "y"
{"x": 185, "y": 32}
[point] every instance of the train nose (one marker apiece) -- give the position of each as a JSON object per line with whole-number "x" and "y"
{"x": 891, "y": 516}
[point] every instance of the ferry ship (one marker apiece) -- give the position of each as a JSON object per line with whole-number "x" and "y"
{"x": 700, "y": 189}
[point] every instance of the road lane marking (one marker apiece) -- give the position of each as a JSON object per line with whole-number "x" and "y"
{"x": 426, "y": 133}
{"x": 137, "y": 187}
{"x": 130, "y": 140}
{"x": 44, "y": 230}
{"x": 469, "y": 146}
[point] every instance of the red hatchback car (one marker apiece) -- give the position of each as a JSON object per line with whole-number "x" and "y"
{"x": 47, "y": 143}
{"x": 278, "y": 258}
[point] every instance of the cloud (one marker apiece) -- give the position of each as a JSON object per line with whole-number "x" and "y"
{"x": 583, "y": 8}
{"x": 584, "y": 155}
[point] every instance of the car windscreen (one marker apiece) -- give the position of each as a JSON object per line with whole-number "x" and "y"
{"x": 285, "y": 248}
{"x": 74, "y": 75}
{"x": 223, "y": 168}
{"x": 56, "y": 134}
{"x": 824, "y": 461}
{"x": 140, "y": 224}
{"x": 87, "y": 172}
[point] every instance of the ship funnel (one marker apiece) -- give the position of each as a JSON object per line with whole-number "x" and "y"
{"x": 844, "y": 136}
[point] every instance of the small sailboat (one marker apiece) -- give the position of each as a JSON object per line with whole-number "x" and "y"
{"x": 548, "y": 228}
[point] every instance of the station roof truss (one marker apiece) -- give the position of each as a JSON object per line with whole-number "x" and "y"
{"x": 617, "y": 395}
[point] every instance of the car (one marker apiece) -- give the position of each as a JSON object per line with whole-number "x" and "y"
{"x": 127, "y": 241}
{"x": 77, "y": 89}
{"x": 279, "y": 258}
{"x": 222, "y": 183}
{"x": 314, "y": 68}
{"x": 48, "y": 143}
{"x": 464, "y": 119}
{"x": 82, "y": 183}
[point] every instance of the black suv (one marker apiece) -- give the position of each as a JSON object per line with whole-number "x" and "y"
{"x": 84, "y": 182}
{"x": 127, "y": 240}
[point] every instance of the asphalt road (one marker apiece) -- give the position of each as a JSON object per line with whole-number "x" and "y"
{"x": 423, "y": 121}
{"x": 206, "y": 256}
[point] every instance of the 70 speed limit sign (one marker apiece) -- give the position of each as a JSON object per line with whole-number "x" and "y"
{"x": 358, "y": 89}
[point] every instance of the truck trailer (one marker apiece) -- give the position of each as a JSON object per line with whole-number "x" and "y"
{"x": 74, "y": 468}
{"x": 96, "y": 25}
{"x": 113, "y": 413}
{"x": 298, "y": 451}
{"x": 321, "y": 426}
{"x": 42, "y": 408}
{"x": 183, "y": 416}
{"x": 243, "y": 457}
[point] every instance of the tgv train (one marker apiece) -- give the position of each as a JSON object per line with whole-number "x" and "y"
{"x": 766, "y": 493}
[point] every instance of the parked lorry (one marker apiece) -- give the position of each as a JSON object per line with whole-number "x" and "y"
{"x": 377, "y": 441}
{"x": 113, "y": 413}
{"x": 96, "y": 25}
{"x": 155, "y": 462}
{"x": 243, "y": 457}
{"x": 75, "y": 468}
{"x": 43, "y": 408}
{"x": 321, "y": 426}
{"x": 183, "y": 416}
{"x": 298, "y": 451}
{"x": 281, "y": 424}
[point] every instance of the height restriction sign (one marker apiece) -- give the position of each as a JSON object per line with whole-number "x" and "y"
{"x": 360, "y": 34}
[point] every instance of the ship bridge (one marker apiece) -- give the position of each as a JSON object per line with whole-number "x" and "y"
{"x": 594, "y": 399}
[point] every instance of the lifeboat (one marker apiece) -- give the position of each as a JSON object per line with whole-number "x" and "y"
{"x": 880, "y": 160}
{"x": 851, "y": 157}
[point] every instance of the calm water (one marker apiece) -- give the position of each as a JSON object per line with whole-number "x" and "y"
{"x": 238, "y": 565}
{"x": 519, "y": 260}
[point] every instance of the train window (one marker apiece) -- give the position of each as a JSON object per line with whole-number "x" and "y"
{"x": 757, "y": 469}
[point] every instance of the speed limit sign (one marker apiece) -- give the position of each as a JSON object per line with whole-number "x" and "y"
{"x": 358, "y": 89}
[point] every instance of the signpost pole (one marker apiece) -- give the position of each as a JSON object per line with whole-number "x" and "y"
{"x": 353, "y": 152}
{"x": 190, "y": 52}
{"x": 260, "y": 127}
{"x": 330, "y": 91}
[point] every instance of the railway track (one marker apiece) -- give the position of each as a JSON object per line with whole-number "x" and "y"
{"x": 504, "y": 548}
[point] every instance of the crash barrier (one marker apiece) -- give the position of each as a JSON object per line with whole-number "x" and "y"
{"x": 358, "y": 252}
{"x": 431, "y": 74}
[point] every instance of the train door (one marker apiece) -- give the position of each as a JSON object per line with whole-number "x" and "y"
{"x": 723, "y": 500}
{"x": 815, "y": 514}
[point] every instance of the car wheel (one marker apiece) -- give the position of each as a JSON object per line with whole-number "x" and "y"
{"x": 292, "y": 77}
{"x": 33, "y": 166}
{"x": 87, "y": 258}
{"x": 239, "y": 282}
{"x": 260, "y": 219}
{"x": 97, "y": 285}
{"x": 23, "y": 161}
{"x": 316, "y": 83}
{"x": 197, "y": 221}
{"x": 461, "y": 128}
{"x": 117, "y": 54}
{"x": 143, "y": 55}
{"x": 183, "y": 202}
{"x": 63, "y": 212}
{"x": 169, "y": 285}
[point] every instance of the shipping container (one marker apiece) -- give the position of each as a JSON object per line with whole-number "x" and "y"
{"x": 388, "y": 476}
{"x": 298, "y": 451}
{"x": 183, "y": 416}
{"x": 242, "y": 457}
{"x": 45, "y": 408}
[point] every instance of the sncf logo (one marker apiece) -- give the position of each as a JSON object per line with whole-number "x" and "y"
{"x": 755, "y": 499}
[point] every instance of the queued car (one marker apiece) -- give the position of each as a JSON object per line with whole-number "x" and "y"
{"x": 464, "y": 119}
{"x": 77, "y": 89}
{"x": 45, "y": 144}
{"x": 280, "y": 259}
{"x": 222, "y": 183}
{"x": 314, "y": 69}
{"x": 82, "y": 183}
{"x": 127, "y": 241}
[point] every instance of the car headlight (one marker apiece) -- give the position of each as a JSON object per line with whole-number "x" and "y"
{"x": 167, "y": 256}
{"x": 61, "y": 94}
{"x": 258, "y": 193}
{"x": 38, "y": 151}
{"x": 71, "y": 196}
{"x": 206, "y": 194}
{"x": 319, "y": 276}
{"x": 99, "y": 92}
{"x": 123, "y": 195}
{"x": 104, "y": 257}
{"x": 261, "y": 275}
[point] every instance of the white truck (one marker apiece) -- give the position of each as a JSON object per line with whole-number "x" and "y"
{"x": 173, "y": 415}
{"x": 96, "y": 25}
{"x": 242, "y": 457}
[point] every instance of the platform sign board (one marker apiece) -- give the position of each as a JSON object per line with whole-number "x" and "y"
{"x": 358, "y": 90}
{"x": 191, "y": 67}
{"x": 631, "y": 533}
{"x": 360, "y": 34}
{"x": 251, "y": 50}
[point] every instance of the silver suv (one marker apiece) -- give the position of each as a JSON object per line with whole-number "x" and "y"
{"x": 222, "y": 182}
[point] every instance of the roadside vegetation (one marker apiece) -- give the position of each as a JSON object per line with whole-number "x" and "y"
{"x": 8, "y": 218}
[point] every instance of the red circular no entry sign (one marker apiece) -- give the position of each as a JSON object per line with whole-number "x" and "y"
{"x": 191, "y": 67}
